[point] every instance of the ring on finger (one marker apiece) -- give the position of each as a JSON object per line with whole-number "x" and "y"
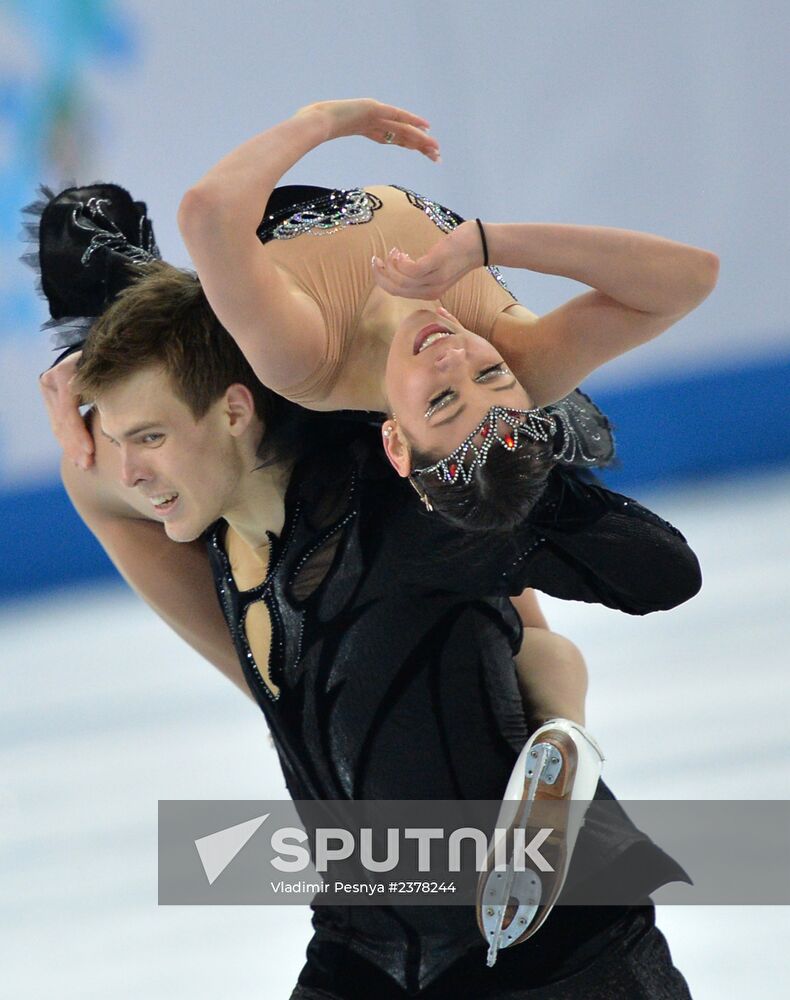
{"x": 389, "y": 137}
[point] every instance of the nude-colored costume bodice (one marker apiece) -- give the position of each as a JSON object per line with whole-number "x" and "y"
{"x": 326, "y": 245}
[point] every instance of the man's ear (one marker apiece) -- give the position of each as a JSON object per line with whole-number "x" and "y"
{"x": 239, "y": 408}
{"x": 396, "y": 447}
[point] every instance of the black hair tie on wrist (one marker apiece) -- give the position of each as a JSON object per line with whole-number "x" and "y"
{"x": 483, "y": 240}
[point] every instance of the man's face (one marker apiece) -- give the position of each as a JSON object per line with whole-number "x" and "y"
{"x": 187, "y": 469}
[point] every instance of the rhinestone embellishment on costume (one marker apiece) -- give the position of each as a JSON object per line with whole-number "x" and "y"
{"x": 461, "y": 463}
{"x": 326, "y": 215}
{"x": 440, "y": 216}
{"x": 445, "y": 220}
{"x": 111, "y": 237}
{"x": 586, "y": 435}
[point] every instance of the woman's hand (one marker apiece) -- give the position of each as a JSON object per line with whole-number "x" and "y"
{"x": 382, "y": 123}
{"x": 429, "y": 277}
{"x": 64, "y": 414}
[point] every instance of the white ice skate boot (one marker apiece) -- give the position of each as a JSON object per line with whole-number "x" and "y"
{"x": 536, "y": 832}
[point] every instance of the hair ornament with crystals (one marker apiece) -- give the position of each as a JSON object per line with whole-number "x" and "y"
{"x": 535, "y": 424}
{"x": 82, "y": 243}
{"x": 574, "y": 430}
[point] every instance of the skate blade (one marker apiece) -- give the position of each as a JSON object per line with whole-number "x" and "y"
{"x": 525, "y": 891}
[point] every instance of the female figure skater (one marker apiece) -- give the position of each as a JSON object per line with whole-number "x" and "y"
{"x": 298, "y": 294}
{"x": 320, "y": 332}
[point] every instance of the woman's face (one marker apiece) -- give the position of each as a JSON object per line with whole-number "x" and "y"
{"x": 441, "y": 380}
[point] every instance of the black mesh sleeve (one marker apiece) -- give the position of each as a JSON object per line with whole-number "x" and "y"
{"x": 586, "y": 543}
{"x": 580, "y": 543}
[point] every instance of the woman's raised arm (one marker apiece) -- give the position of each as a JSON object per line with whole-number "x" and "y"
{"x": 641, "y": 283}
{"x": 279, "y": 329}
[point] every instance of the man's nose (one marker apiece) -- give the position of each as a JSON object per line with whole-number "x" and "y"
{"x": 132, "y": 470}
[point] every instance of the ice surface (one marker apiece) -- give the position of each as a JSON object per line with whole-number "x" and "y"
{"x": 103, "y": 711}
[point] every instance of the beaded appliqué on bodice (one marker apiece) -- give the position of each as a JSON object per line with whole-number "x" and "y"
{"x": 446, "y": 220}
{"x": 291, "y": 553}
{"x": 321, "y": 215}
{"x": 235, "y": 605}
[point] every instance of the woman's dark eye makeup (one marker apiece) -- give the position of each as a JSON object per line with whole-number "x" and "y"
{"x": 445, "y": 397}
